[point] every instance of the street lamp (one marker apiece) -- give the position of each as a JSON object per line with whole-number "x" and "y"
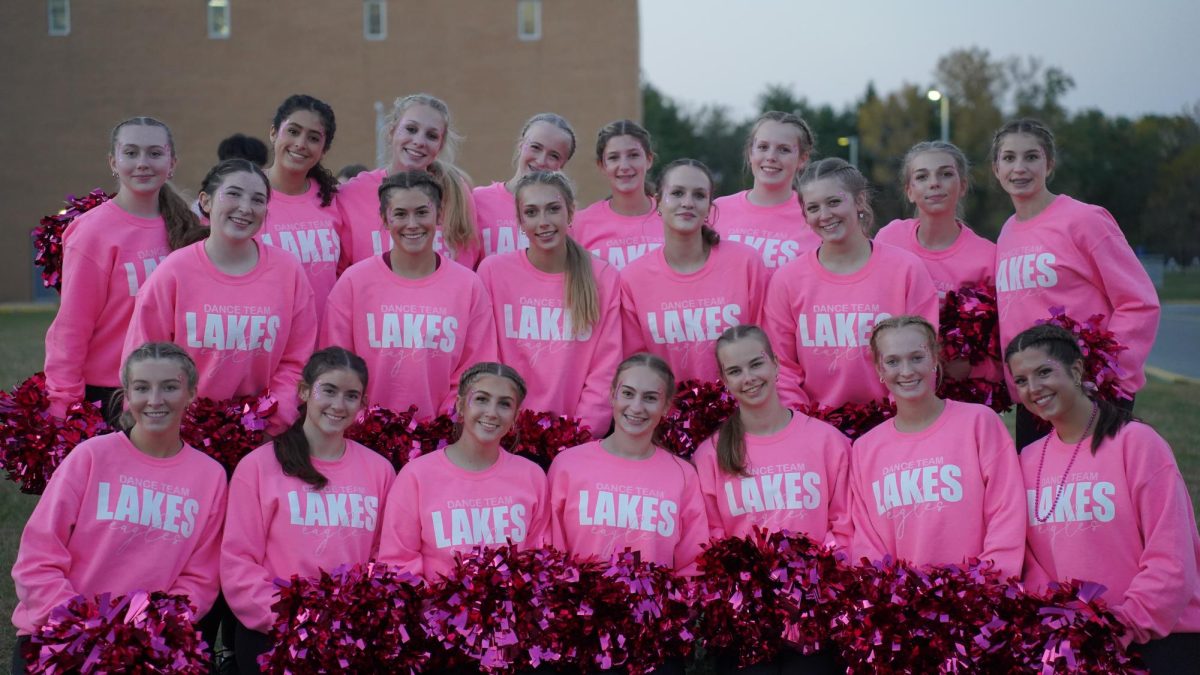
{"x": 937, "y": 96}
{"x": 851, "y": 141}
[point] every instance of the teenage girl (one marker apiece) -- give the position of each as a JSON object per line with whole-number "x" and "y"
{"x": 545, "y": 143}
{"x": 1056, "y": 251}
{"x": 627, "y": 225}
{"x": 936, "y": 177}
{"x": 557, "y": 307}
{"x": 937, "y": 467}
{"x": 432, "y": 511}
{"x": 768, "y": 466}
{"x": 242, "y": 310}
{"x": 138, "y": 510}
{"x": 589, "y": 483}
{"x": 678, "y": 299}
{"x": 768, "y": 216}
{"x": 422, "y": 139}
{"x": 309, "y": 500}
{"x": 820, "y": 310}
{"x": 1107, "y": 503}
{"x": 302, "y": 218}
{"x": 108, "y": 254}
{"x": 418, "y": 320}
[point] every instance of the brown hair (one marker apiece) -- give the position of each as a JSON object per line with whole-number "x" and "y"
{"x": 418, "y": 180}
{"x": 582, "y": 298}
{"x": 1059, "y": 344}
{"x": 327, "y": 184}
{"x": 731, "y": 435}
{"x": 851, "y": 180}
{"x": 804, "y": 133}
{"x": 479, "y": 370}
{"x": 181, "y": 224}
{"x": 292, "y": 450}
{"x": 1025, "y": 125}
{"x": 660, "y": 368}
{"x": 707, "y": 233}
{"x": 157, "y": 350}
{"x": 633, "y": 130}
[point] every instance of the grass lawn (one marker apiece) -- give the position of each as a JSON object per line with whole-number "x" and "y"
{"x": 1173, "y": 409}
{"x": 1181, "y": 286}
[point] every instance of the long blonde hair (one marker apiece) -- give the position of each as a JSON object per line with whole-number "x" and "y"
{"x": 581, "y": 296}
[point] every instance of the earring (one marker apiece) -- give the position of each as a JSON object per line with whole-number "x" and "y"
{"x": 170, "y": 175}
{"x": 861, "y": 215}
{"x": 114, "y": 174}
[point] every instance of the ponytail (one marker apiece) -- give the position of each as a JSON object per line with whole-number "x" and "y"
{"x": 731, "y": 446}
{"x": 582, "y": 298}
{"x": 1110, "y": 418}
{"x": 458, "y": 215}
{"x": 710, "y": 236}
{"x": 327, "y": 183}
{"x": 295, "y": 454}
{"x": 183, "y": 227}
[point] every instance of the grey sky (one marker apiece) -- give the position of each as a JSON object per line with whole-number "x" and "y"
{"x": 1127, "y": 57}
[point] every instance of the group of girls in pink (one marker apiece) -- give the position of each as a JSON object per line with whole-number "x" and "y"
{"x": 407, "y": 274}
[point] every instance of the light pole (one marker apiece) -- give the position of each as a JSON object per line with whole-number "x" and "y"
{"x": 935, "y": 95}
{"x": 851, "y": 141}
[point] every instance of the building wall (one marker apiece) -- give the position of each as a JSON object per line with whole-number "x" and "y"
{"x": 62, "y": 95}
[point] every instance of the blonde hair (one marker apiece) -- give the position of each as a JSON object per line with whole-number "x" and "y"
{"x": 168, "y": 351}
{"x": 581, "y": 296}
{"x": 731, "y": 435}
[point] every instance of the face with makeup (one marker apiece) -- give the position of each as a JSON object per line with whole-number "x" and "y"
{"x": 488, "y": 408}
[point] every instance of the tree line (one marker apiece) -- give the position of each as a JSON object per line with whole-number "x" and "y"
{"x": 1146, "y": 171}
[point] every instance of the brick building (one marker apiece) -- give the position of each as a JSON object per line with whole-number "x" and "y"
{"x": 209, "y": 68}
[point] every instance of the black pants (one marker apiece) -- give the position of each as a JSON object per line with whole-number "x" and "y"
{"x": 18, "y": 659}
{"x": 110, "y": 403}
{"x": 1178, "y": 653}
{"x": 248, "y": 645}
{"x": 788, "y": 662}
{"x": 1030, "y": 427}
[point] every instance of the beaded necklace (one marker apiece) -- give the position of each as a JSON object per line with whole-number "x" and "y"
{"x": 1037, "y": 502}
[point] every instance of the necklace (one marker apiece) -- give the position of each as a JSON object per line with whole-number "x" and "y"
{"x": 1037, "y": 502}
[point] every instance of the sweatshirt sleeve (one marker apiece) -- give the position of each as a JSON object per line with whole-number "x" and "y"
{"x": 479, "y": 340}
{"x": 865, "y": 542}
{"x": 199, "y": 579}
{"x": 1167, "y": 575}
{"x": 922, "y": 297}
{"x": 248, "y": 587}
{"x": 346, "y": 231}
{"x": 558, "y": 480}
{"x": 759, "y": 277}
{"x": 337, "y": 326}
{"x": 539, "y": 522}
{"x": 1004, "y": 508}
{"x": 1134, "y": 300}
{"x": 400, "y": 534}
{"x": 780, "y": 327}
{"x": 631, "y": 327}
{"x": 841, "y": 529}
{"x": 153, "y": 313}
{"x": 301, "y": 339}
{"x": 43, "y": 560}
{"x": 693, "y": 524}
{"x": 709, "y": 477}
{"x": 594, "y": 406}
{"x": 84, "y": 293}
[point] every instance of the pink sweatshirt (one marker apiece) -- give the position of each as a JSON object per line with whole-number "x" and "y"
{"x": 795, "y": 480}
{"x": 313, "y": 233}
{"x": 416, "y": 335}
{"x": 109, "y": 253}
{"x": 679, "y": 316}
{"x": 1124, "y": 520}
{"x": 437, "y": 509}
{"x": 938, "y": 496}
{"x": 820, "y": 323}
{"x": 616, "y": 238}
{"x": 971, "y": 259}
{"x": 1074, "y": 255}
{"x": 246, "y": 333}
{"x": 601, "y": 504}
{"x": 114, "y": 519}
{"x": 279, "y": 525}
{"x": 568, "y": 373}
{"x": 358, "y": 201}
{"x": 496, "y": 220}
{"x": 780, "y": 232}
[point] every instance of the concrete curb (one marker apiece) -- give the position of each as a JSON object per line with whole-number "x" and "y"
{"x": 1162, "y": 374}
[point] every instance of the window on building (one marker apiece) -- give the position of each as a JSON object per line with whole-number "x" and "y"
{"x": 218, "y": 19}
{"x": 375, "y": 19}
{"x": 529, "y": 20}
{"x": 59, "y": 17}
